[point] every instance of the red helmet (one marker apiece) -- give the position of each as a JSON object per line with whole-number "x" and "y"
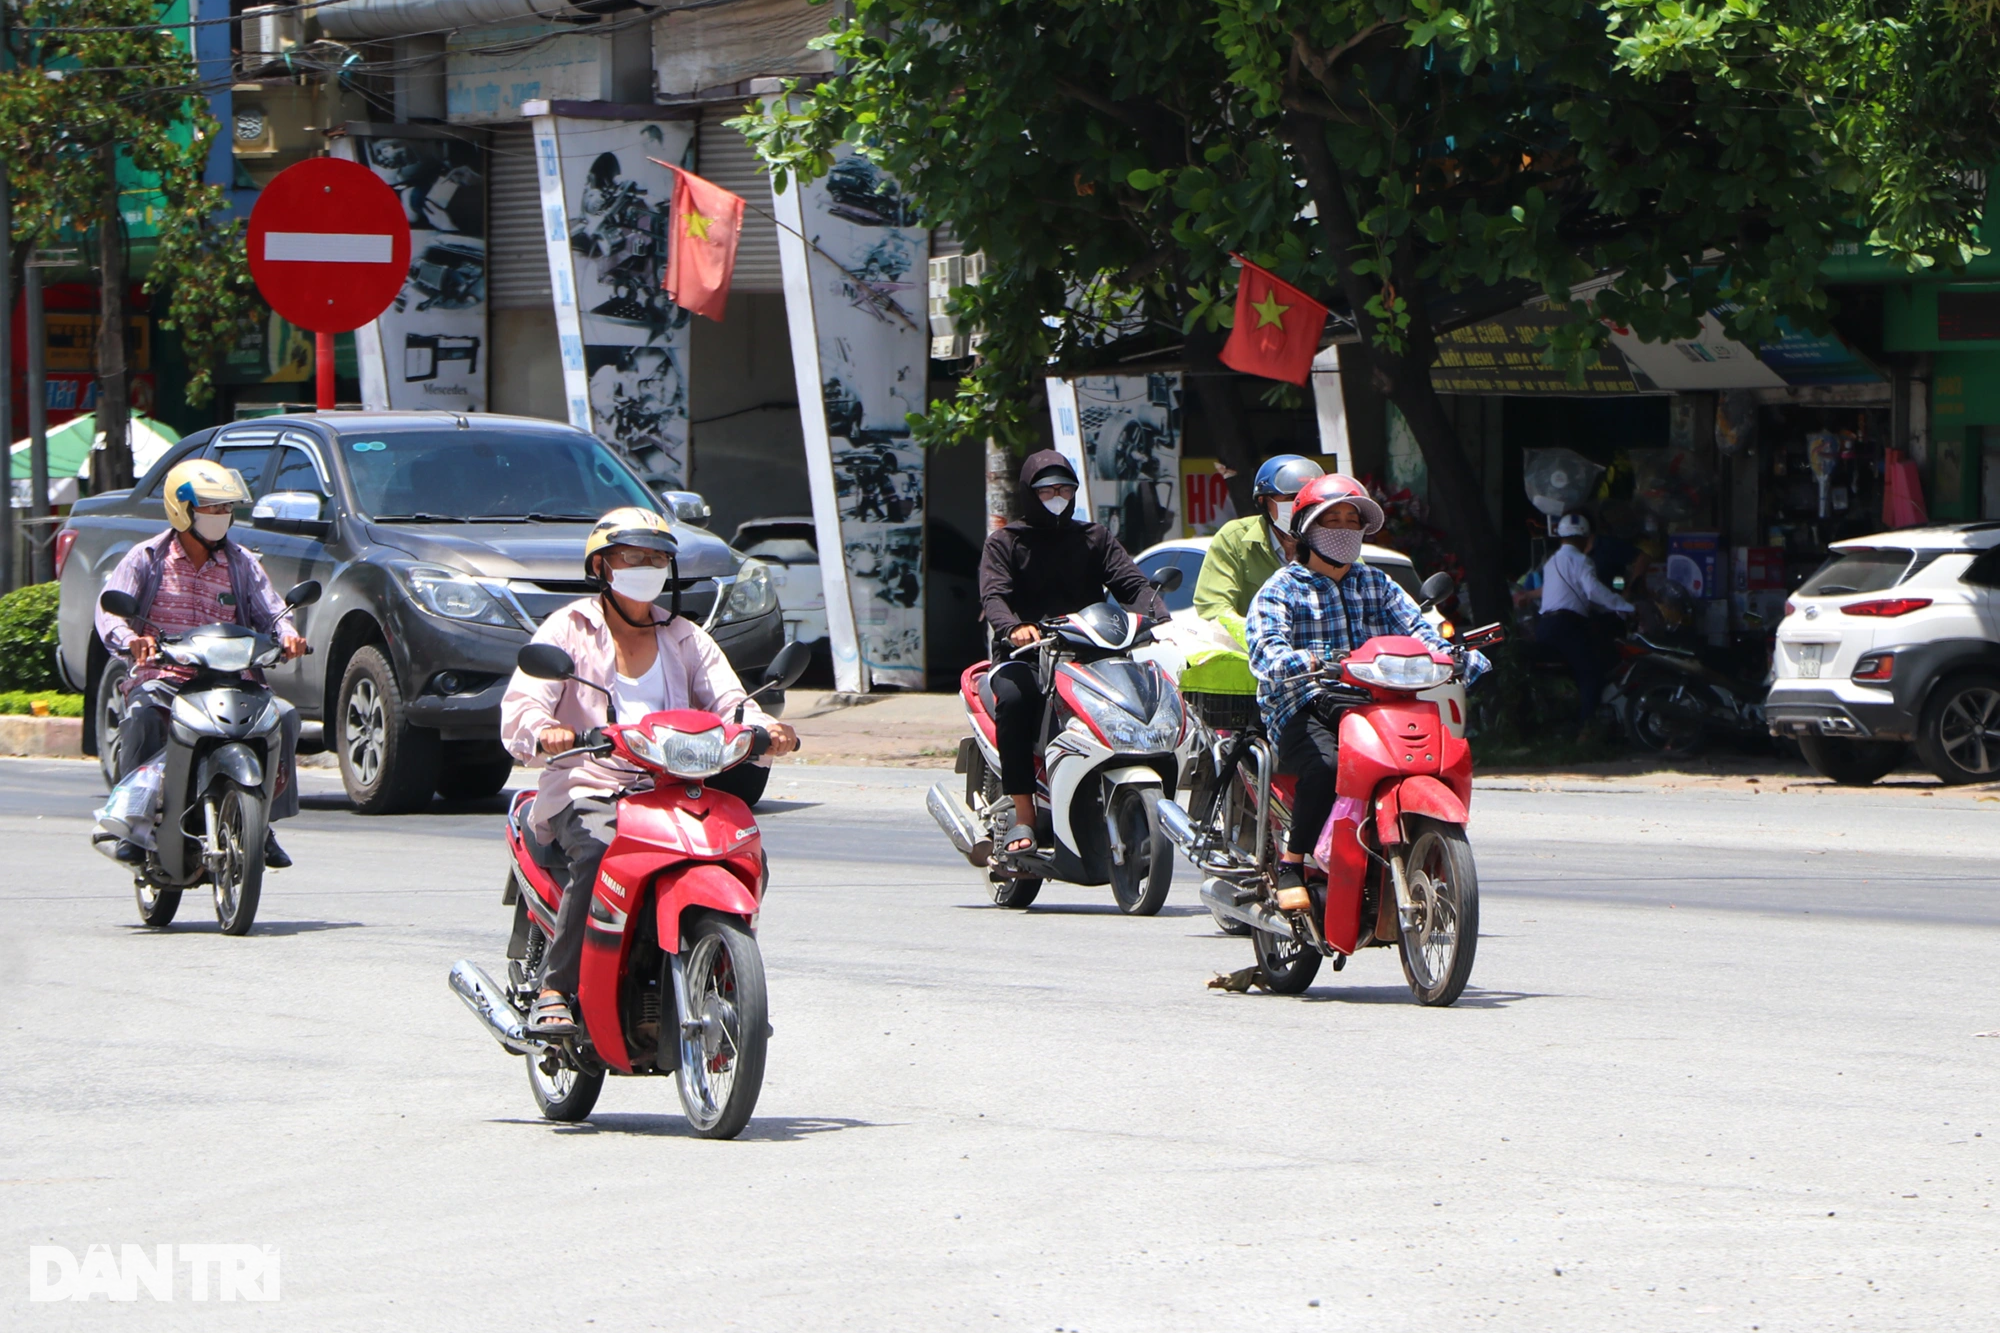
{"x": 1322, "y": 493}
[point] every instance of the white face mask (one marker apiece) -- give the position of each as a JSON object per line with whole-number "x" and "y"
{"x": 642, "y": 584}
{"x": 1055, "y": 504}
{"x": 211, "y": 528}
{"x": 1282, "y": 515}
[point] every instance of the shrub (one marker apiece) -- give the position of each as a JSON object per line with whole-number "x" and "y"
{"x": 24, "y": 701}
{"x": 28, "y": 638}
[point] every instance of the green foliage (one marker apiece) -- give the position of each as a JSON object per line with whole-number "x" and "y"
{"x": 59, "y": 704}
{"x": 68, "y": 96}
{"x": 28, "y": 638}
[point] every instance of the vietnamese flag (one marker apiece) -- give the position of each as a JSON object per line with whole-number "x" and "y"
{"x": 701, "y": 251}
{"x": 1277, "y": 328}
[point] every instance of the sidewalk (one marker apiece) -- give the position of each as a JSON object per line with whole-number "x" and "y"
{"x": 900, "y": 730}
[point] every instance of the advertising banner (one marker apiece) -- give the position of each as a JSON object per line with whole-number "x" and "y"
{"x": 854, "y": 256}
{"x": 1131, "y": 431}
{"x": 429, "y": 348}
{"x": 1205, "y": 500}
{"x": 624, "y": 344}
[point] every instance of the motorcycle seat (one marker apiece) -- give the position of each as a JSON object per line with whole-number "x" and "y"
{"x": 986, "y": 694}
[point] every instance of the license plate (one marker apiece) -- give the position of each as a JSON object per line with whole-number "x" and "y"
{"x": 1809, "y": 654}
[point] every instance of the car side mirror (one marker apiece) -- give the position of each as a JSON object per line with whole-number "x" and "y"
{"x": 119, "y": 603}
{"x": 786, "y": 668}
{"x": 1167, "y": 579}
{"x": 545, "y": 661}
{"x": 1436, "y": 588}
{"x": 303, "y": 594}
{"x": 688, "y": 507}
{"x": 291, "y": 511}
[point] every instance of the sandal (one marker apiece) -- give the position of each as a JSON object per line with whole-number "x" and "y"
{"x": 550, "y": 1017}
{"x": 1022, "y": 834}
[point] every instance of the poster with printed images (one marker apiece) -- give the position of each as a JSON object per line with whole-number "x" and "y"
{"x": 605, "y": 207}
{"x": 854, "y": 254}
{"x": 1131, "y": 429}
{"x": 429, "y": 348}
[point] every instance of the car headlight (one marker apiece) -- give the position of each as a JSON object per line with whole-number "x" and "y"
{"x": 753, "y": 593}
{"x": 458, "y": 596}
{"x": 1400, "y": 673}
{"x": 687, "y": 754}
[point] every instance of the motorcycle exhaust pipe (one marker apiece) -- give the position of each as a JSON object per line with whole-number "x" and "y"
{"x": 1219, "y": 896}
{"x": 489, "y": 1004}
{"x": 957, "y": 823}
{"x": 1174, "y": 822}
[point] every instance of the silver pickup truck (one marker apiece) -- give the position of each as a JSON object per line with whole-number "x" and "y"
{"x": 441, "y": 540}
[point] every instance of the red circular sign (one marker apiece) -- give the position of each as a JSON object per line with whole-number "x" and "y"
{"x": 329, "y": 245}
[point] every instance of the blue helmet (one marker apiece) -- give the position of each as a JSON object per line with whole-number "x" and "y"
{"x": 1286, "y": 474}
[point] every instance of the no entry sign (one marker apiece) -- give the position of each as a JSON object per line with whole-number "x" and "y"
{"x": 329, "y": 245}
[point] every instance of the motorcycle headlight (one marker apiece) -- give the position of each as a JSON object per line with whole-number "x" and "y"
{"x": 1162, "y": 731}
{"x": 1400, "y": 673}
{"x": 457, "y": 596}
{"x": 752, "y": 595}
{"x": 686, "y": 754}
{"x": 223, "y": 652}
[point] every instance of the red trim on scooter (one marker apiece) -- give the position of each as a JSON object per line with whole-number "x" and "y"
{"x": 698, "y": 885}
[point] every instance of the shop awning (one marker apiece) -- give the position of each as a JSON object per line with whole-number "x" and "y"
{"x": 69, "y": 455}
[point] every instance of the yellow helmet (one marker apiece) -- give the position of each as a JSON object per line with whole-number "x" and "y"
{"x": 197, "y": 482}
{"x": 630, "y": 526}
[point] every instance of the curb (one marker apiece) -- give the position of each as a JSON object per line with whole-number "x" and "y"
{"x": 41, "y": 737}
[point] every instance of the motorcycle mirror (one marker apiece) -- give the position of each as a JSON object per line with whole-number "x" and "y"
{"x": 303, "y": 594}
{"x": 545, "y": 661}
{"x": 1167, "y": 579}
{"x": 1437, "y": 587}
{"x": 119, "y": 603}
{"x": 786, "y": 668}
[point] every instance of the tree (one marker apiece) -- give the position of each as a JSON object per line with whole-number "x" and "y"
{"x": 95, "y": 83}
{"x": 1414, "y": 162}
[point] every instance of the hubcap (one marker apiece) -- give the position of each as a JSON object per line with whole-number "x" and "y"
{"x": 367, "y": 731}
{"x": 1970, "y": 730}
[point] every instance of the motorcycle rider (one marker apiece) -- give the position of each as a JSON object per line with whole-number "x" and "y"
{"x": 188, "y": 576}
{"x": 1326, "y": 601}
{"x": 1570, "y": 588}
{"x": 1047, "y": 563}
{"x": 646, "y": 664}
{"x": 1246, "y": 552}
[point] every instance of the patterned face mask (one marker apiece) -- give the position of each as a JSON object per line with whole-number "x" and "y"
{"x": 1336, "y": 546}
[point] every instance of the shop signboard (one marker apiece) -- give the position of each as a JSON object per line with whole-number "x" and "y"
{"x": 1692, "y": 559}
{"x": 623, "y": 344}
{"x": 428, "y": 350}
{"x": 1205, "y": 500}
{"x": 1504, "y": 355}
{"x": 491, "y": 74}
{"x": 854, "y": 254}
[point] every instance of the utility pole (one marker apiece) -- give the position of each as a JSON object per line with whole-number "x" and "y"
{"x": 38, "y": 425}
{"x": 6, "y": 359}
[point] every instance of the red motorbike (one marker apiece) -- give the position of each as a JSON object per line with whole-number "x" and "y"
{"x": 671, "y": 980}
{"x": 1398, "y": 868}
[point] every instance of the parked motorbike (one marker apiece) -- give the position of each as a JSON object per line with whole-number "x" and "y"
{"x": 221, "y": 762}
{"x": 1399, "y": 869}
{"x": 1675, "y": 703}
{"x": 1110, "y": 754}
{"x": 672, "y": 981}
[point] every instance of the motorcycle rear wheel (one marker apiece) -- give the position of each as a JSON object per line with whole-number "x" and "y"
{"x": 1017, "y": 893}
{"x": 1288, "y": 966}
{"x": 156, "y": 905}
{"x": 1667, "y": 720}
{"x": 567, "y": 1093}
{"x": 240, "y": 824}
{"x": 722, "y": 1059}
{"x": 1140, "y": 884}
{"x": 1438, "y": 950}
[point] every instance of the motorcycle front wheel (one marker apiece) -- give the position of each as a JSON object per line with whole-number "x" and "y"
{"x": 156, "y": 905}
{"x": 240, "y": 823}
{"x": 562, "y": 1091}
{"x": 723, "y": 1036}
{"x": 1145, "y": 871}
{"x": 1438, "y": 947}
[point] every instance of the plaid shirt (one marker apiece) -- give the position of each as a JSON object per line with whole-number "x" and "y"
{"x": 1300, "y": 613}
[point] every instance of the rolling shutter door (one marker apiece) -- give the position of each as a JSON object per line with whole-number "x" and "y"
{"x": 725, "y": 157}
{"x": 517, "y": 261}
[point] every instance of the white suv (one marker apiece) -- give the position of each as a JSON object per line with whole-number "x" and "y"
{"x": 1894, "y": 642}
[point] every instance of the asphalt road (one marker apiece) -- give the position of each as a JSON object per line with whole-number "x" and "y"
{"x": 1717, "y": 1070}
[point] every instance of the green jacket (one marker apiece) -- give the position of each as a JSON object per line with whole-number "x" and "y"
{"x": 1240, "y": 559}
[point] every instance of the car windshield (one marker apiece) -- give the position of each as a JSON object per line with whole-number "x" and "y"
{"x": 462, "y": 476}
{"x": 1866, "y": 570}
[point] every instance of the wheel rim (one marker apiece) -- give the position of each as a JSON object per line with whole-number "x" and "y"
{"x": 1435, "y": 908}
{"x": 554, "y": 1087}
{"x": 1663, "y": 722}
{"x": 367, "y": 731}
{"x": 110, "y": 716}
{"x": 229, "y": 875}
{"x": 1134, "y": 837}
{"x": 1968, "y": 732}
{"x": 712, "y": 1036}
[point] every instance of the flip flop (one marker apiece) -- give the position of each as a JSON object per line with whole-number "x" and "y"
{"x": 1016, "y": 834}
{"x": 550, "y": 1017}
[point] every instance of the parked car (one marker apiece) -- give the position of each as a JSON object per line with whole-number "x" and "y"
{"x": 790, "y": 547}
{"x": 1894, "y": 643}
{"x": 442, "y": 540}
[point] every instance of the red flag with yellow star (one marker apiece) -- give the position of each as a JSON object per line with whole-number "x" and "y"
{"x": 1277, "y": 328}
{"x": 701, "y": 247}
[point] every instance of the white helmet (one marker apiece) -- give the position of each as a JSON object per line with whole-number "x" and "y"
{"x": 1572, "y": 525}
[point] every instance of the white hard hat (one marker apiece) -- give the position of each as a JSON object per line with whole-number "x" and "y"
{"x": 1572, "y": 525}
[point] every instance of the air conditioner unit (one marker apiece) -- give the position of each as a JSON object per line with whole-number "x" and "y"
{"x": 269, "y": 32}
{"x": 949, "y": 342}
